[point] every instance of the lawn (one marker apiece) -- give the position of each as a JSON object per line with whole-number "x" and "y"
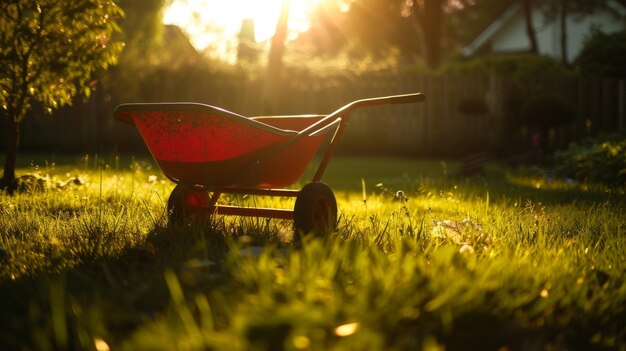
{"x": 422, "y": 259}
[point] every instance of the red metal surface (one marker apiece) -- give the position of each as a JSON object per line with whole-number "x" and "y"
{"x": 201, "y": 201}
{"x": 254, "y": 212}
{"x": 205, "y": 148}
{"x": 261, "y": 192}
{"x": 199, "y": 137}
{"x": 296, "y": 123}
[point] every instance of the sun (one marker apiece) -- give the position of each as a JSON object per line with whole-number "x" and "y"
{"x": 215, "y": 24}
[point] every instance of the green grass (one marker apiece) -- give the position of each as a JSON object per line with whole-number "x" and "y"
{"x": 538, "y": 264}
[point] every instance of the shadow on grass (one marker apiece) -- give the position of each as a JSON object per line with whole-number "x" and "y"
{"x": 60, "y": 307}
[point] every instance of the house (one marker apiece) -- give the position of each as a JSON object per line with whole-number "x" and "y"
{"x": 508, "y": 34}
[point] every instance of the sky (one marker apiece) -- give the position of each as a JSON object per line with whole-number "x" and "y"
{"x": 213, "y": 25}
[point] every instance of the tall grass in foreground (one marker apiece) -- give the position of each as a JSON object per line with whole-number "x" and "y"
{"x": 421, "y": 260}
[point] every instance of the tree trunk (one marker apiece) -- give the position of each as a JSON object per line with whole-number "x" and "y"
{"x": 530, "y": 30}
{"x": 419, "y": 33}
{"x": 273, "y": 80}
{"x": 13, "y": 134}
{"x": 563, "y": 23}
{"x": 432, "y": 27}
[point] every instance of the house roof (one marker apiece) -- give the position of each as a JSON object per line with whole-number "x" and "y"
{"x": 617, "y": 6}
{"x": 491, "y": 30}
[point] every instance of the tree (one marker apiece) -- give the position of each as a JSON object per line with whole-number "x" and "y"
{"x": 413, "y": 26}
{"x": 274, "y": 73}
{"x": 530, "y": 29}
{"x": 565, "y": 8}
{"x": 373, "y": 26}
{"x": 142, "y": 32}
{"x": 142, "y": 28}
{"x": 557, "y": 10}
{"x": 603, "y": 55}
{"x": 429, "y": 15}
{"x": 378, "y": 27}
{"x": 48, "y": 52}
{"x": 142, "y": 24}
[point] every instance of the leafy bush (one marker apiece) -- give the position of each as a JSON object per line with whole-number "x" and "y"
{"x": 604, "y": 55}
{"x": 596, "y": 161}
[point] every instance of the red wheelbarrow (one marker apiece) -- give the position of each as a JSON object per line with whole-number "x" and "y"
{"x": 208, "y": 151}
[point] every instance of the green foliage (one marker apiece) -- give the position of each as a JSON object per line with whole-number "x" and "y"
{"x": 142, "y": 25}
{"x": 154, "y": 54}
{"x": 596, "y": 160}
{"x": 522, "y": 66}
{"x": 49, "y": 50}
{"x": 604, "y": 55}
{"x": 370, "y": 27}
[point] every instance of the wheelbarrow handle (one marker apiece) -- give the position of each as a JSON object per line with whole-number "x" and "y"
{"x": 385, "y": 100}
{"x": 344, "y": 111}
{"x": 339, "y": 117}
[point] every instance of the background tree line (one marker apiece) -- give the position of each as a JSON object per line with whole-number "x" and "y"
{"x": 157, "y": 63}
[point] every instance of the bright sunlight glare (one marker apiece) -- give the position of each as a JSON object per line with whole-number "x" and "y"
{"x": 215, "y": 24}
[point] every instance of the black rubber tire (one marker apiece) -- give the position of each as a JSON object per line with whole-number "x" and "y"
{"x": 179, "y": 209}
{"x": 315, "y": 210}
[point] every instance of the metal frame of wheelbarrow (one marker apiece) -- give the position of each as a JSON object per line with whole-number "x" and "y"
{"x": 315, "y": 208}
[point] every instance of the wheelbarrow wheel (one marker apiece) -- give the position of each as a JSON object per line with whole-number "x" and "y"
{"x": 186, "y": 205}
{"x": 315, "y": 210}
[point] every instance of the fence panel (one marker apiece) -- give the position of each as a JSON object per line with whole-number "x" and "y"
{"x": 440, "y": 126}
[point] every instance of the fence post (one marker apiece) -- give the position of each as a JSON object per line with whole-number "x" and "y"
{"x": 621, "y": 104}
{"x": 495, "y": 98}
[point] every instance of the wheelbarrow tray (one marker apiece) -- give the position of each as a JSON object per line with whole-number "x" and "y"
{"x": 208, "y": 146}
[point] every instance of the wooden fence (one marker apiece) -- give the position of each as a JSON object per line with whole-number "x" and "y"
{"x": 437, "y": 127}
